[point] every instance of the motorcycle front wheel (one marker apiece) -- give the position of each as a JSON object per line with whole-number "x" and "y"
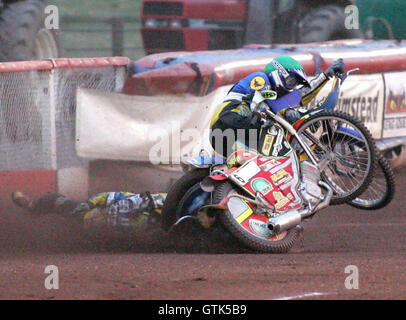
{"x": 346, "y": 148}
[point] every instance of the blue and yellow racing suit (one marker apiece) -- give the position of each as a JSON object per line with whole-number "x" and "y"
{"x": 235, "y": 112}
{"x": 122, "y": 209}
{"x": 114, "y": 209}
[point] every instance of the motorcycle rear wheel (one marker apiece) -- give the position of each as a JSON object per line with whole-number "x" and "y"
{"x": 176, "y": 193}
{"x": 274, "y": 244}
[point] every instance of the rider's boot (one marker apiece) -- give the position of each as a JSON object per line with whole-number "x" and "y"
{"x": 21, "y": 200}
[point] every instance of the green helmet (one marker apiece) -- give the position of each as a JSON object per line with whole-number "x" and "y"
{"x": 286, "y": 72}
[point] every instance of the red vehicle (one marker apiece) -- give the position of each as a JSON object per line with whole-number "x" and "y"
{"x": 191, "y": 25}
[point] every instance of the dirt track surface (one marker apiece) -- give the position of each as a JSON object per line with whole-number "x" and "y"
{"x": 208, "y": 266}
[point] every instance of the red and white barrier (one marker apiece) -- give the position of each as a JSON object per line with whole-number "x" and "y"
{"x": 200, "y": 78}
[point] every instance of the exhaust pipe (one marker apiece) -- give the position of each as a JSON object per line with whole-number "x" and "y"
{"x": 291, "y": 219}
{"x": 285, "y": 221}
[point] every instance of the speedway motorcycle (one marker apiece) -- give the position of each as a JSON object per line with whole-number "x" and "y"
{"x": 262, "y": 196}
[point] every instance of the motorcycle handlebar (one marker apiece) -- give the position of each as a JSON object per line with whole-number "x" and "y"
{"x": 344, "y": 75}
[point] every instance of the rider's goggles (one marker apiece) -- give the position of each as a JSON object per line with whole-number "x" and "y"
{"x": 291, "y": 82}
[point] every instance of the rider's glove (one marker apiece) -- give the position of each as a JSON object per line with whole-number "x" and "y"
{"x": 147, "y": 204}
{"x": 336, "y": 67}
{"x": 255, "y": 120}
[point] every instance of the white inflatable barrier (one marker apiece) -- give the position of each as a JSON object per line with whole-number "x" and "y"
{"x": 161, "y": 129}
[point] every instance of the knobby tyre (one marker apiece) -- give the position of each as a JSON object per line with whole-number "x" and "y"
{"x": 176, "y": 193}
{"x": 381, "y": 190}
{"x": 247, "y": 238}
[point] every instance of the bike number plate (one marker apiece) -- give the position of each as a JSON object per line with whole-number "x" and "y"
{"x": 243, "y": 175}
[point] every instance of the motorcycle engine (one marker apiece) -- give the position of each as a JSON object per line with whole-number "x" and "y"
{"x": 309, "y": 187}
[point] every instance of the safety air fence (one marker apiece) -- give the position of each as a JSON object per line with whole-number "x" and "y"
{"x": 37, "y": 122}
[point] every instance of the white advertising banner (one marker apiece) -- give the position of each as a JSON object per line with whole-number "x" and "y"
{"x": 361, "y": 96}
{"x": 164, "y": 129}
{"x": 169, "y": 129}
{"x": 395, "y": 105}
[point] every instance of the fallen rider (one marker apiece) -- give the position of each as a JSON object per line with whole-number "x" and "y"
{"x": 114, "y": 209}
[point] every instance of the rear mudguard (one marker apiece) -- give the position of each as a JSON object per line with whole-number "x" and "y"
{"x": 209, "y": 183}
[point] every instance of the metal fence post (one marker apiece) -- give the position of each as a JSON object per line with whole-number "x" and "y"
{"x": 117, "y": 37}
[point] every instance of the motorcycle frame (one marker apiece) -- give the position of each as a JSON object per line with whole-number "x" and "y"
{"x": 260, "y": 100}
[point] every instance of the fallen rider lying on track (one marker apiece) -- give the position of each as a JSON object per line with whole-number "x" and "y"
{"x": 114, "y": 209}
